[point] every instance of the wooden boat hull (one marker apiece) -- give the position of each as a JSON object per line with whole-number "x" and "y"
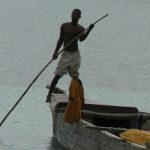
{"x": 83, "y": 135}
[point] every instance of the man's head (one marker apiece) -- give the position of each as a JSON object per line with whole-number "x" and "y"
{"x": 76, "y": 14}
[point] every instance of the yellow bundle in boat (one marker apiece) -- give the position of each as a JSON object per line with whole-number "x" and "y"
{"x": 75, "y": 101}
{"x": 137, "y": 136}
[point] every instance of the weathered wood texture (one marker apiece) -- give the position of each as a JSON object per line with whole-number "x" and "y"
{"x": 84, "y": 135}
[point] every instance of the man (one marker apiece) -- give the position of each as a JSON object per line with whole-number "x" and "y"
{"x": 70, "y": 58}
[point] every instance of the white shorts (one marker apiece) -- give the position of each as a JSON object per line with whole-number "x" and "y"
{"x": 69, "y": 63}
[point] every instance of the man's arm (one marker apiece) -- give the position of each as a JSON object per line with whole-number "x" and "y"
{"x": 84, "y": 35}
{"x": 59, "y": 44}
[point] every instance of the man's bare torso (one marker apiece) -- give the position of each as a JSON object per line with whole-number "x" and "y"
{"x": 68, "y": 33}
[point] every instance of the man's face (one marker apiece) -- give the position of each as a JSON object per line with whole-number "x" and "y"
{"x": 75, "y": 15}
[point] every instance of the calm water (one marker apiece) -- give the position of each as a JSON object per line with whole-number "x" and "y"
{"x": 115, "y": 62}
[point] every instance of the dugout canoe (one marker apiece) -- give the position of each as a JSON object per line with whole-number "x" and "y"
{"x": 100, "y": 126}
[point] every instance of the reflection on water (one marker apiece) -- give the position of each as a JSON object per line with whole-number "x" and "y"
{"x": 1, "y": 142}
{"x": 55, "y": 145}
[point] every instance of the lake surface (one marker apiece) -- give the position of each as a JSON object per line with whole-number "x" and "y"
{"x": 115, "y": 62}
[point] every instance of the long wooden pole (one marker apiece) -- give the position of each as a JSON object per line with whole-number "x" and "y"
{"x": 42, "y": 71}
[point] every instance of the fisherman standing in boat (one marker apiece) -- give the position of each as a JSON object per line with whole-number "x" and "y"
{"x": 70, "y": 59}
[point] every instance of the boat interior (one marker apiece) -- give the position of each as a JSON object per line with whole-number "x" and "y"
{"x": 114, "y": 119}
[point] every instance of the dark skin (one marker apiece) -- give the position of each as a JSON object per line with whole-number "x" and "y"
{"x": 69, "y": 31}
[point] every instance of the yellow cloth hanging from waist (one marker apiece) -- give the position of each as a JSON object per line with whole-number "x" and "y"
{"x": 75, "y": 101}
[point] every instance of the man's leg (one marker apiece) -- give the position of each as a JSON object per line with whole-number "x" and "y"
{"x": 52, "y": 86}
